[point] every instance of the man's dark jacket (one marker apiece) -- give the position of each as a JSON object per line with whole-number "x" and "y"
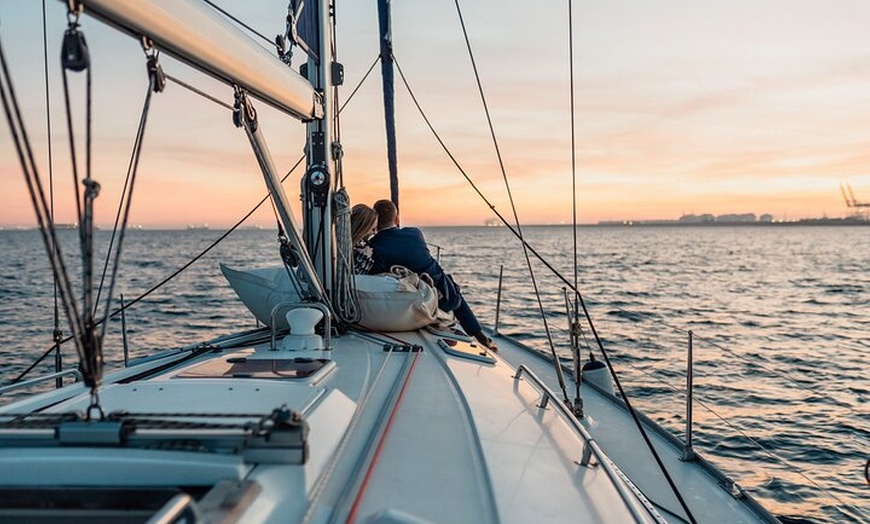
{"x": 406, "y": 247}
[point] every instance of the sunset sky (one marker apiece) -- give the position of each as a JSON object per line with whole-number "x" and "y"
{"x": 715, "y": 106}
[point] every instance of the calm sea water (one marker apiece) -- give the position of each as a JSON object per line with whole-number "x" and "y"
{"x": 780, "y": 315}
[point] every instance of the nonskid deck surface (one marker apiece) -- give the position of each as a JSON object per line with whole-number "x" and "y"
{"x": 708, "y": 494}
{"x": 394, "y": 430}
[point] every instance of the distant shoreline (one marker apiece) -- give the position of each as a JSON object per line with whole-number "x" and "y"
{"x": 838, "y": 222}
{"x": 804, "y": 222}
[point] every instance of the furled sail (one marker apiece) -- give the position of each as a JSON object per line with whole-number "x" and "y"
{"x": 193, "y": 33}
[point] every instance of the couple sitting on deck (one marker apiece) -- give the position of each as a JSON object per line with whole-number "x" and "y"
{"x": 379, "y": 243}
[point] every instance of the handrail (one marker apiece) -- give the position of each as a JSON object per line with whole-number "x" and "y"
{"x": 179, "y": 508}
{"x": 592, "y": 448}
{"x": 437, "y": 251}
{"x": 27, "y": 383}
{"x": 498, "y": 300}
{"x": 688, "y": 451}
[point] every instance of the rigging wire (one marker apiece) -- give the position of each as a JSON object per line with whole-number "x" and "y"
{"x": 163, "y": 282}
{"x": 574, "y": 328}
{"x": 57, "y": 334}
{"x": 360, "y": 83}
{"x": 154, "y": 85}
{"x": 734, "y": 427}
{"x": 573, "y": 154}
{"x": 128, "y": 180}
{"x": 556, "y": 273}
{"x": 511, "y": 199}
{"x": 336, "y": 120}
{"x": 75, "y": 57}
{"x": 736, "y": 355}
{"x": 474, "y": 187}
{"x": 207, "y": 249}
{"x": 238, "y": 21}
{"x": 38, "y": 200}
{"x": 72, "y": 148}
{"x": 198, "y": 91}
{"x": 345, "y": 295}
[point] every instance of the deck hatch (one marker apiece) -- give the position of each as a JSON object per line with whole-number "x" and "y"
{"x": 464, "y": 349}
{"x": 243, "y": 367}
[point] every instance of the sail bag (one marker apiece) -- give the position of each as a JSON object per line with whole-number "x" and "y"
{"x": 399, "y": 300}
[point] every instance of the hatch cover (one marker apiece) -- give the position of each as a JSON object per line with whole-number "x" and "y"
{"x": 469, "y": 350}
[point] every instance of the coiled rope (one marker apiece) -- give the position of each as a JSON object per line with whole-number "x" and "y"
{"x": 345, "y": 301}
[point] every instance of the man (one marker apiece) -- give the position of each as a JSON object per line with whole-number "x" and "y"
{"x": 405, "y": 246}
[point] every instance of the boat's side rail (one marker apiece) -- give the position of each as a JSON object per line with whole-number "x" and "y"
{"x": 44, "y": 378}
{"x": 630, "y": 494}
{"x": 181, "y": 508}
{"x": 678, "y": 445}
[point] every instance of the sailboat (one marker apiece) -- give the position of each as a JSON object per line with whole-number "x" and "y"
{"x": 314, "y": 418}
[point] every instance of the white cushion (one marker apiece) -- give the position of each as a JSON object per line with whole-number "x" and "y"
{"x": 263, "y": 289}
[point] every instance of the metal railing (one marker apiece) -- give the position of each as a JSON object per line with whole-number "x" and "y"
{"x": 179, "y": 509}
{"x": 688, "y": 451}
{"x": 27, "y": 383}
{"x": 591, "y": 449}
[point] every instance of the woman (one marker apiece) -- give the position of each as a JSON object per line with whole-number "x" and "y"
{"x": 363, "y": 222}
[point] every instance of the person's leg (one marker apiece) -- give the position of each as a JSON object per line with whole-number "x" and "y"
{"x": 470, "y": 324}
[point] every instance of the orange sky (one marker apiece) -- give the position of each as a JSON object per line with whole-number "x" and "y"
{"x": 726, "y": 107}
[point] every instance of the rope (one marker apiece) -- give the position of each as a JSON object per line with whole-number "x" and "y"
{"x": 360, "y": 83}
{"x": 168, "y": 278}
{"x": 72, "y": 148}
{"x": 199, "y": 92}
{"x": 132, "y": 169}
{"x": 512, "y": 203}
{"x": 556, "y": 273}
{"x": 37, "y": 197}
{"x": 203, "y": 253}
{"x": 573, "y": 158}
{"x": 56, "y": 333}
{"x": 346, "y": 303}
{"x": 74, "y": 56}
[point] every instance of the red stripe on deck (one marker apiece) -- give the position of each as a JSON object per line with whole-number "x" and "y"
{"x": 359, "y": 496}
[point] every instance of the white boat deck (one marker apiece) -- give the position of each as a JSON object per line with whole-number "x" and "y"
{"x": 393, "y": 436}
{"x": 608, "y": 421}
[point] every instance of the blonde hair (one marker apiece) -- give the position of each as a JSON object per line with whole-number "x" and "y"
{"x": 362, "y": 220}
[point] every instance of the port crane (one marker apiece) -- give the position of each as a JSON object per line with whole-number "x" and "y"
{"x": 861, "y": 208}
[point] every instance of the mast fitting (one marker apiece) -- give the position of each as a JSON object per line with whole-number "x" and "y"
{"x": 244, "y": 114}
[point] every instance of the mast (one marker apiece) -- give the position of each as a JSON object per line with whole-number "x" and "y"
{"x": 386, "y": 37}
{"x": 317, "y": 183}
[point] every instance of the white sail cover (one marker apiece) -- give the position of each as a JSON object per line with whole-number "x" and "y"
{"x": 194, "y": 33}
